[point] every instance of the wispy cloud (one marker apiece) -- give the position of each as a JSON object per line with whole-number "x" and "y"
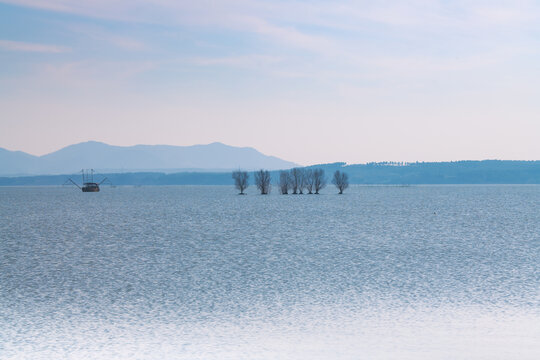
{"x": 241, "y": 61}
{"x": 31, "y": 47}
{"x": 292, "y": 23}
{"x": 103, "y": 36}
{"x": 335, "y": 13}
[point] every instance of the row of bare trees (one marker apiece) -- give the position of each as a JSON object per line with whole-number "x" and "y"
{"x": 295, "y": 181}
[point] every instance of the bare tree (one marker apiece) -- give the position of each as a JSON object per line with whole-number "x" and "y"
{"x": 284, "y": 182}
{"x": 240, "y": 180}
{"x": 308, "y": 180}
{"x": 296, "y": 175}
{"x": 301, "y": 180}
{"x": 319, "y": 180}
{"x": 262, "y": 180}
{"x": 341, "y": 180}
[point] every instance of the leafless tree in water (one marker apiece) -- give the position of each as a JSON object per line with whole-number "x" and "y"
{"x": 296, "y": 180}
{"x": 262, "y": 181}
{"x": 341, "y": 180}
{"x": 240, "y": 180}
{"x": 308, "y": 180}
{"x": 319, "y": 180}
{"x": 284, "y": 182}
{"x": 301, "y": 180}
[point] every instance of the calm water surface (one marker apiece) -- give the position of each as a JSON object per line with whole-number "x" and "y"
{"x": 197, "y": 272}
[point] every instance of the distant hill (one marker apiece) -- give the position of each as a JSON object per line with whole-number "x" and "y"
{"x": 459, "y": 172}
{"x": 108, "y": 158}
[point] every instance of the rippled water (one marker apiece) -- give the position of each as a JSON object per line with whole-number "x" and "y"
{"x": 197, "y": 272}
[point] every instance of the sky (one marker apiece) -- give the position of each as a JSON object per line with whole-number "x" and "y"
{"x": 308, "y": 81}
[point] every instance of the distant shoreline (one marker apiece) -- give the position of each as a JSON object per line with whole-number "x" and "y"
{"x": 496, "y": 172}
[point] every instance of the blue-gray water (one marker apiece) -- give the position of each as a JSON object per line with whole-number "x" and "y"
{"x": 197, "y": 272}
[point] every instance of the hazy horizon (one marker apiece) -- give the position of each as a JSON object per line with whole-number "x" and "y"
{"x": 253, "y": 147}
{"x": 309, "y": 82}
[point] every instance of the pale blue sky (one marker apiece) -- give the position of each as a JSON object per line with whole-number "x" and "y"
{"x": 308, "y": 81}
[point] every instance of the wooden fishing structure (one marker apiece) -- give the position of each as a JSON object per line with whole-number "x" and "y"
{"x": 88, "y": 183}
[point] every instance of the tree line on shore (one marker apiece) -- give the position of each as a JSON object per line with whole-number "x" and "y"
{"x": 294, "y": 181}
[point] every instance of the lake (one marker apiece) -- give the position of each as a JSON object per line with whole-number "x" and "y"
{"x": 198, "y": 272}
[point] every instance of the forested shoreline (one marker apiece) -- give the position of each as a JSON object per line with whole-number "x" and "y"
{"x": 459, "y": 172}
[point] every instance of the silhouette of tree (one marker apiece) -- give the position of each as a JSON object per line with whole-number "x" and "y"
{"x": 295, "y": 180}
{"x": 240, "y": 180}
{"x": 341, "y": 180}
{"x": 262, "y": 180}
{"x": 319, "y": 180}
{"x": 308, "y": 180}
{"x": 284, "y": 182}
{"x": 301, "y": 180}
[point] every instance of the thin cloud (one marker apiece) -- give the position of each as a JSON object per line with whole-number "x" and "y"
{"x": 292, "y": 23}
{"x": 101, "y": 35}
{"x": 245, "y": 61}
{"x": 235, "y": 15}
{"x": 31, "y": 47}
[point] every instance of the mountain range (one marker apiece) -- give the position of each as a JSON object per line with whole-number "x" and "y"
{"x": 102, "y": 157}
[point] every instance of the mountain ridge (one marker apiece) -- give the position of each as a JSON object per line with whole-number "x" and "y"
{"x": 101, "y": 156}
